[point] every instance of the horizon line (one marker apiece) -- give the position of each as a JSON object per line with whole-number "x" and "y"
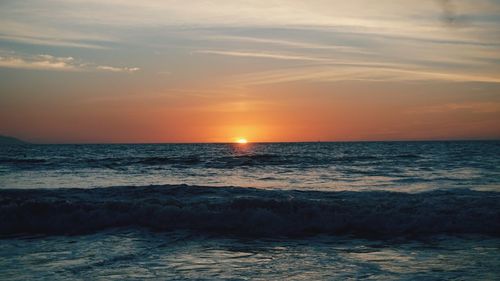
{"x": 259, "y": 142}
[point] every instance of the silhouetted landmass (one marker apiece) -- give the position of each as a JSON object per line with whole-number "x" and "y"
{"x": 4, "y": 140}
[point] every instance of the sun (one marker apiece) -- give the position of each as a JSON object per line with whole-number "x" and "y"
{"x": 241, "y": 141}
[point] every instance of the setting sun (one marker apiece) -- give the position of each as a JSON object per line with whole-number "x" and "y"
{"x": 242, "y": 141}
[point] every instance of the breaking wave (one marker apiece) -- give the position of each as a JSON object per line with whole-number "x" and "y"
{"x": 249, "y": 212}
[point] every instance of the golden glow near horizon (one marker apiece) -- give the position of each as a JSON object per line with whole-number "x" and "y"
{"x": 242, "y": 141}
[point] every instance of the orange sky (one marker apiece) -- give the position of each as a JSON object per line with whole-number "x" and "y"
{"x": 215, "y": 71}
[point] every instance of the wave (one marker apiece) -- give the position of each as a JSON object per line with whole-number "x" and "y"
{"x": 147, "y": 161}
{"x": 16, "y": 161}
{"x": 249, "y": 212}
{"x": 217, "y": 162}
{"x": 249, "y": 160}
{"x": 192, "y": 160}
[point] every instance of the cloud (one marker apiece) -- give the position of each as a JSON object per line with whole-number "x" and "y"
{"x": 117, "y": 69}
{"x": 350, "y": 39}
{"x": 17, "y": 31}
{"x": 48, "y": 42}
{"x": 388, "y": 17}
{"x": 53, "y": 63}
{"x": 277, "y": 56}
{"x": 344, "y": 72}
{"x": 45, "y": 62}
{"x": 285, "y": 43}
{"x": 471, "y": 107}
{"x": 429, "y": 64}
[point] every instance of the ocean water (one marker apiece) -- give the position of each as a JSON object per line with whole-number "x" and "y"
{"x": 280, "y": 211}
{"x": 396, "y": 166}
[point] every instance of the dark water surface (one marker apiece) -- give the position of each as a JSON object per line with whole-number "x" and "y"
{"x": 397, "y": 166}
{"x": 297, "y": 211}
{"x": 139, "y": 255}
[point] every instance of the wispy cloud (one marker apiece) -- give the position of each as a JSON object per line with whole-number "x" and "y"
{"x": 472, "y": 107}
{"x": 53, "y": 63}
{"x": 15, "y": 31}
{"x": 321, "y": 67}
{"x": 286, "y": 43}
{"x": 268, "y": 55}
{"x": 117, "y": 69}
{"x": 417, "y": 19}
{"x": 333, "y": 73}
{"x": 349, "y": 39}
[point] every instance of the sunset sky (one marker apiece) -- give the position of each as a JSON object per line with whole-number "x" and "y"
{"x": 276, "y": 70}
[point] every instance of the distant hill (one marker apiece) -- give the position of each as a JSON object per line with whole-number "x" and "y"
{"x": 4, "y": 140}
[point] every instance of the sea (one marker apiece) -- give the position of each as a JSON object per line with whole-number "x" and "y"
{"x": 256, "y": 211}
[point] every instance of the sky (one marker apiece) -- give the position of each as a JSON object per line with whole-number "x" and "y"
{"x": 110, "y": 71}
